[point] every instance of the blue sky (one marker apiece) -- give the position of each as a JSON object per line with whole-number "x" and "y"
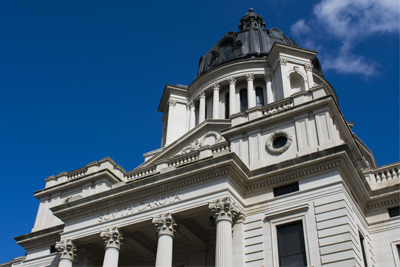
{"x": 82, "y": 80}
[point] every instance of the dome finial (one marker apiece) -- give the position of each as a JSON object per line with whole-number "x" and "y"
{"x": 251, "y": 20}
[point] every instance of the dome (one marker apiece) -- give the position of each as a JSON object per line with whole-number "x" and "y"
{"x": 252, "y": 41}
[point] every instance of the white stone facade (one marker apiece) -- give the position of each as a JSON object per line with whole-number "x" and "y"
{"x": 211, "y": 190}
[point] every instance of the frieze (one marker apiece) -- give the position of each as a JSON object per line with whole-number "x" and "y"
{"x": 139, "y": 207}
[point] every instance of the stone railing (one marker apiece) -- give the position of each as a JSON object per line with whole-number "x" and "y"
{"x": 277, "y": 106}
{"x": 77, "y": 173}
{"x": 220, "y": 147}
{"x": 384, "y": 173}
{"x": 140, "y": 173}
{"x": 183, "y": 159}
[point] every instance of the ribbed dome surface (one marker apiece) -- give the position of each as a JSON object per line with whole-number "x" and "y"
{"x": 252, "y": 41}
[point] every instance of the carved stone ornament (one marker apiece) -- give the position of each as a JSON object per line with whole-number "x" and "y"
{"x": 283, "y": 61}
{"x": 224, "y": 209}
{"x": 112, "y": 237}
{"x": 202, "y": 94}
{"x": 172, "y": 102}
{"x": 250, "y": 76}
{"x": 67, "y": 249}
{"x": 308, "y": 67}
{"x": 270, "y": 142}
{"x": 216, "y": 86}
{"x": 165, "y": 224}
{"x": 232, "y": 80}
{"x": 213, "y": 133}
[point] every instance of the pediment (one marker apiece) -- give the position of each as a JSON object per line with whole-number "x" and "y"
{"x": 206, "y": 134}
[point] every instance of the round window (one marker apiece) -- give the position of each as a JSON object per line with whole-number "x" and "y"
{"x": 278, "y": 142}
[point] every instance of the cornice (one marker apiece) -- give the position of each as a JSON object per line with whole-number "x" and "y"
{"x": 40, "y": 238}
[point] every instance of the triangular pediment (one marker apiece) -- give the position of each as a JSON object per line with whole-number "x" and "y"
{"x": 205, "y": 134}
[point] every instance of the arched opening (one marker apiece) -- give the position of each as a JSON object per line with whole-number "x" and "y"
{"x": 227, "y": 106}
{"x": 243, "y": 100}
{"x": 296, "y": 82}
{"x": 259, "y": 97}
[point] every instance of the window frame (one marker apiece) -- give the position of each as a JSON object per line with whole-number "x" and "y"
{"x": 396, "y": 255}
{"x": 287, "y": 216}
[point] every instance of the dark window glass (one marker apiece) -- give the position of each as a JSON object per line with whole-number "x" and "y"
{"x": 279, "y": 142}
{"x": 291, "y": 246}
{"x": 259, "y": 97}
{"x": 394, "y": 212}
{"x": 286, "y": 189}
{"x": 398, "y": 250}
{"x": 226, "y": 51}
{"x": 243, "y": 100}
{"x": 363, "y": 249}
{"x": 227, "y": 106}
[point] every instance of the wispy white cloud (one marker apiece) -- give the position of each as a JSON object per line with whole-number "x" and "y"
{"x": 349, "y": 22}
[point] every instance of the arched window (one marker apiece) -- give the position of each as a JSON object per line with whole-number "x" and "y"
{"x": 243, "y": 100}
{"x": 227, "y": 106}
{"x": 296, "y": 82}
{"x": 259, "y": 97}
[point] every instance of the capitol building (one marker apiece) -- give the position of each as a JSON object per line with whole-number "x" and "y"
{"x": 257, "y": 168}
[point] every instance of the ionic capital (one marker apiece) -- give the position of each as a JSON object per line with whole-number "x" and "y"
{"x": 224, "y": 209}
{"x": 165, "y": 224}
{"x": 112, "y": 237}
{"x": 216, "y": 86}
{"x": 172, "y": 102}
{"x": 250, "y": 76}
{"x": 232, "y": 80}
{"x": 308, "y": 67}
{"x": 282, "y": 61}
{"x": 67, "y": 249}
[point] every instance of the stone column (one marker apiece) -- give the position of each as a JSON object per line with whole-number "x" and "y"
{"x": 232, "y": 93}
{"x": 192, "y": 116}
{"x": 67, "y": 249}
{"x": 216, "y": 88}
{"x": 251, "y": 96}
{"x": 166, "y": 226}
{"x": 112, "y": 237}
{"x": 202, "y": 107}
{"x": 224, "y": 211}
{"x": 268, "y": 87}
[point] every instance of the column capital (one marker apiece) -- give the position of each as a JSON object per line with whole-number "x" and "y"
{"x": 232, "y": 80}
{"x": 67, "y": 249}
{"x": 172, "y": 102}
{"x": 165, "y": 224}
{"x": 308, "y": 67}
{"x": 202, "y": 94}
{"x": 112, "y": 237}
{"x": 216, "y": 86}
{"x": 249, "y": 76}
{"x": 282, "y": 61}
{"x": 267, "y": 77}
{"x": 224, "y": 209}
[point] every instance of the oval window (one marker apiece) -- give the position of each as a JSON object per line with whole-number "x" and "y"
{"x": 279, "y": 142}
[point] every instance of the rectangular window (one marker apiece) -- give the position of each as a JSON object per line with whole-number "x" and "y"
{"x": 286, "y": 189}
{"x": 363, "y": 249}
{"x": 291, "y": 247}
{"x": 394, "y": 212}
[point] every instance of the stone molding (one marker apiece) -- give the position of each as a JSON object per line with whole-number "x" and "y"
{"x": 113, "y": 237}
{"x": 67, "y": 249}
{"x": 165, "y": 224}
{"x": 232, "y": 80}
{"x": 250, "y": 76}
{"x": 224, "y": 209}
{"x": 384, "y": 203}
{"x": 269, "y": 145}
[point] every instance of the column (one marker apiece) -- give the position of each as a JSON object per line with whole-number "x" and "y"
{"x": 216, "y": 101}
{"x": 166, "y": 226}
{"x": 224, "y": 211}
{"x": 192, "y": 116}
{"x": 202, "y": 106}
{"x": 251, "y": 96}
{"x": 232, "y": 93}
{"x": 67, "y": 249}
{"x": 268, "y": 87}
{"x": 112, "y": 237}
